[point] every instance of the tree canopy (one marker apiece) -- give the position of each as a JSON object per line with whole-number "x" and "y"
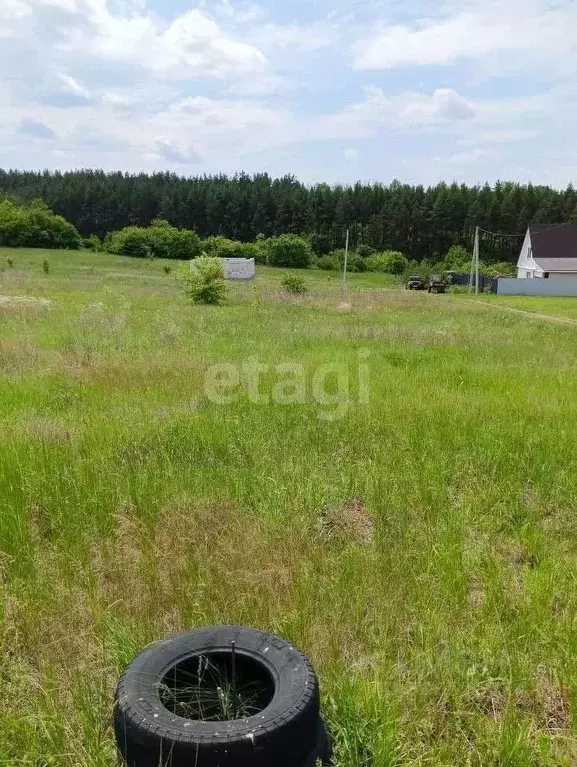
{"x": 421, "y": 222}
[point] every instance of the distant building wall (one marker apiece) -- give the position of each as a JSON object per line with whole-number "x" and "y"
{"x": 527, "y": 267}
{"x": 554, "y": 286}
{"x": 239, "y": 268}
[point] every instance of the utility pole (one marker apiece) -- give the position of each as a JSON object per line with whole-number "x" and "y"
{"x": 345, "y": 267}
{"x": 476, "y": 254}
{"x": 475, "y": 264}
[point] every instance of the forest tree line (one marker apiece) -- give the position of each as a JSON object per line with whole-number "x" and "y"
{"x": 422, "y": 222}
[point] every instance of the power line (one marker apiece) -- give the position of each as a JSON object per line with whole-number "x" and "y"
{"x": 516, "y": 236}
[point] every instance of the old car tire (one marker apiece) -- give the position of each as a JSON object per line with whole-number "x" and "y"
{"x": 285, "y": 731}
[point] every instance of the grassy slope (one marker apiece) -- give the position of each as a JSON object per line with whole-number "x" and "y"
{"x": 132, "y": 507}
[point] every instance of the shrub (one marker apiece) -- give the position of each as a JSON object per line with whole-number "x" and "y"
{"x": 222, "y": 247}
{"x": 35, "y": 226}
{"x": 45, "y": 266}
{"x": 391, "y": 261}
{"x": 293, "y": 283}
{"x": 167, "y": 268}
{"x": 161, "y": 240}
{"x": 131, "y": 241}
{"x": 458, "y": 259}
{"x": 320, "y": 244}
{"x": 203, "y": 280}
{"x": 260, "y": 250}
{"x": 502, "y": 269}
{"x": 328, "y": 263}
{"x": 364, "y": 251}
{"x": 396, "y": 262}
{"x": 354, "y": 262}
{"x": 93, "y": 243}
{"x": 376, "y": 263}
{"x": 288, "y": 250}
{"x": 10, "y": 262}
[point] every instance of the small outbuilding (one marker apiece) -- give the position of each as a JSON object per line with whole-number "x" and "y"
{"x": 548, "y": 251}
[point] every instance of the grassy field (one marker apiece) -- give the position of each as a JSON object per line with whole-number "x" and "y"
{"x": 564, "y": 306}
{"x": 421, "y": 547}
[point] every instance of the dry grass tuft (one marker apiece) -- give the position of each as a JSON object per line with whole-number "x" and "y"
{"x": 349, "y": 522}
{"x": 17, "y": 354}
{"x": 48, "y": 429}
{"x": 546, "y": 704}
{"x": 24, "y": 305}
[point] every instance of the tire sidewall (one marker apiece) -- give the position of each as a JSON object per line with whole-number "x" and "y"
{"x": 289, "y": 722}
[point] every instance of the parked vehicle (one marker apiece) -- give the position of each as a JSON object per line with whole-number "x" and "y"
{"x": 415, "y": 282}
{"x": 436, "y": 284}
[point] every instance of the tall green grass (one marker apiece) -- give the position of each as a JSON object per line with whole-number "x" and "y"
{"x": 441, "y": 618}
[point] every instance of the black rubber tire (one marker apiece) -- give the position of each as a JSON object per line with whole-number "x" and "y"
{"x": 323, "y": 751}
{"x": 284, "y": 734}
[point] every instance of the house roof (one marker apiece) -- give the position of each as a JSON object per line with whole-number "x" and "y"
{"x": 557, "y": 242}
{"x": 557, "y": 264}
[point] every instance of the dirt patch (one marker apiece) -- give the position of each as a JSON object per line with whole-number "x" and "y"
{"x": 348, "y": 522}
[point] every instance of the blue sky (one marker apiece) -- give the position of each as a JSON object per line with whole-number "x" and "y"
{"x": 335, "y": 91}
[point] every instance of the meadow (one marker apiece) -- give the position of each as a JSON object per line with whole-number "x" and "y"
{"x": 419, "y": 546}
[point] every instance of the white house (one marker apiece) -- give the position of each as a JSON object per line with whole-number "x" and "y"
{"x": 549, "y": 251}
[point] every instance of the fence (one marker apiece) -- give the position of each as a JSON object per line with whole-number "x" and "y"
{"x": 460, "y": 278}
{"x": 554, "y": 286}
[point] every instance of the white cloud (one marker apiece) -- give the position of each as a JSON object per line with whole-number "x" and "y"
{"x": 11, "y": 11}
{"x": 499, "y": 136}
{"x": 239, "y": 126}
{"x": 168, "y": 149}
{"x": 192, "y": 45}
{"x": 65, "y": 5}
{"x": 478, "y": 29}
{"x": 228, "y": 84}
{"x": 409, "y": 110}
{"x": 73, "y": 85}
{"x": 295, "y": 36}
{"x": 472, "y": 156}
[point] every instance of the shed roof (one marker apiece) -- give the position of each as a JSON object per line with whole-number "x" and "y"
{"x": 557, "y": 264}
{"x": 550, "y": 241}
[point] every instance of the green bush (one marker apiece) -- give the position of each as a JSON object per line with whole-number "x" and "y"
{"x": 131, "y": 241}
{"x": 289, "y": 251}
{"x": 354, "y": 262}
{"x": 222, "y": 247}
{"x": 160, "y": 240}
{"x": 320, "y": 244}
{"x": 203, "y": 280}
{"x": 364, "y": 251}
{"x": 45, "y": 266}
{"x": 260, "y": 253}
{"x": 458, "y": 259}
{"x": 391, "y": 262}
{"x": 328, "y": 263}
{"x": 293, "y": 283}
{"x": 10, "y": 262}
{"x": 35, "y": 226}
{"x": 92, "y": 243}
{"x": 503, "y": 269}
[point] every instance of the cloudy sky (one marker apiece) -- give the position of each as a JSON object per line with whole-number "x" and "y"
{"x": 471, "y": 90}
